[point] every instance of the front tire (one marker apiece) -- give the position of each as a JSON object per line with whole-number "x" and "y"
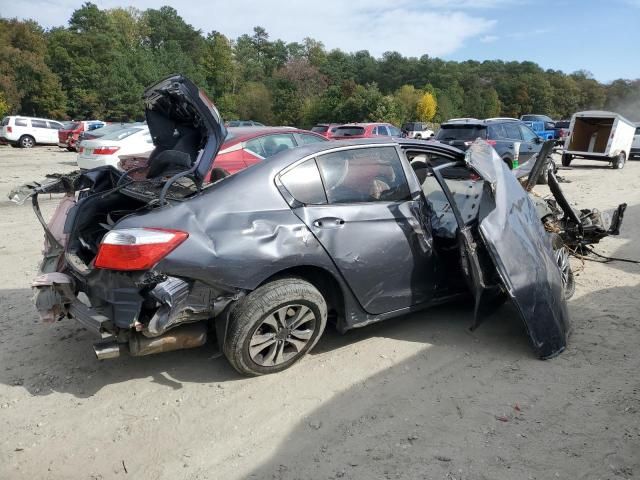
{"x": 26, "y": 141}
{"x": 275, "y": 326}
{"x": 561, "y": 254}
{"x": 566, "y": 159}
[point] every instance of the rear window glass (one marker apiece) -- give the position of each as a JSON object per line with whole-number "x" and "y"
{"x": 563, "y": 124}
{"x": 348, "y": 131}
{"x": 20, "y": 122}
{"x": 121, "y": 134}
{"x": 412, "y": 126}
{"x": 638, "y": 131}
{"x": 5, "y": 121}
{"x": 461, "y": 132}
{"x": 304, "y": 183}
{"x": 320, "y": 128}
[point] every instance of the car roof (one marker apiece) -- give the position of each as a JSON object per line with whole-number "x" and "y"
{"x": 240, "y": 134}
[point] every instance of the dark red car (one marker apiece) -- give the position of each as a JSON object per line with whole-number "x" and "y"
{"x": 68, "y": 136}
{"x": 365, "y": 130}
{"x": 325, "y": 129}
{"x": 243, "y": 147}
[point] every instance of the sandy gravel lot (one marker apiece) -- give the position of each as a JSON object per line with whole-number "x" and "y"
{"x": 413, "y": 398}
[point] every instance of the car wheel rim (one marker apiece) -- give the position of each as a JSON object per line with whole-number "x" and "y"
{"x": 282, "y": 335}
{"x": 562, "y": 259}
{"x": 27, "y": 143}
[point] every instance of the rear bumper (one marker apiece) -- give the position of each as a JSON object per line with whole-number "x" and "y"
{"x": 87, "y": 163}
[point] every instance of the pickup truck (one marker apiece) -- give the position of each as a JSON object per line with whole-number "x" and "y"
{"x": 540, "y": 129}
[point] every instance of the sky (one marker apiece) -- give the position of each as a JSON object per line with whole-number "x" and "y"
{"x": 598, "y": 36}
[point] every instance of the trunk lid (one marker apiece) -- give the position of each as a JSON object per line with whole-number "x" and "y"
{"x": 181, "y": 118}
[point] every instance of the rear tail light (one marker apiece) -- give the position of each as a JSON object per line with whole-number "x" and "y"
{"x": 105, "y": 150}
{"x": 492, "y": 142}
{"x": 80, "y": 149}
{"x": 9, "y": 129}
{"x": 137, "y": 248}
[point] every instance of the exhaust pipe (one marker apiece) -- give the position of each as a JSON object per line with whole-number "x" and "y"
{"x": 188, "y": 336}
{"x": 106, "y": 350}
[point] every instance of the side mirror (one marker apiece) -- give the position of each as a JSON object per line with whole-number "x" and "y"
{"x": 538, "y": 140}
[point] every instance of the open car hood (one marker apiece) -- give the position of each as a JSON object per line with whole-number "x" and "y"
{"x": 507, "y": 247}
{"x": 522, "y": 253}
{"x": 185, "y": 126}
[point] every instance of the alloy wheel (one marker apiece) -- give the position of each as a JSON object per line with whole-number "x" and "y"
{"x": 282, "y": 335}
{"x": 562, "y": 259}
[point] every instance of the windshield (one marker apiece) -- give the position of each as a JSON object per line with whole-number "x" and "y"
{"x": 122, "y": 133}
{"x": 348, "y": 131}
{"x": 320, "y": 128}
{"x": 461, "y": 132}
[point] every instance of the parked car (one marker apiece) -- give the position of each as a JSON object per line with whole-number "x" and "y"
{"x": 562, "y": 131}
{"x": 106, "y": 149}
{"x": 69, "y": 134}
{"x": 599, "y": 135}
{"x": 514, "y": 141}
{"x": 325, "y": 129}
{"x": 549, "y": 123}
{"x": 416, "y": 130}
{"x": 243, "y": 147}
{"x": 243, "y": 123}
{"x": 109, "y": 128}
{"x": 343, "y": 231}
{"x": 540, "y": 129}
{"x": 365, "y": 130}
{"x": 26, "y": 132}
{"x": 635, "y": 147}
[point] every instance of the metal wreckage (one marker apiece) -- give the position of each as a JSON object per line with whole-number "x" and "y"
{"x": 351, "y": 232}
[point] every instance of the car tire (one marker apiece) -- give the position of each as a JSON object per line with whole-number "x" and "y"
{"x": 418, "y": 136}
{"x": 561, "y": 253}
{"x": 566, "y": 159}
{"x": 26, "y": 141}
{"x": 543, "y": 179}
{"x": 619, "y": 161}
{"x": 509, "y": 162}
{"x": 264, "y": 335}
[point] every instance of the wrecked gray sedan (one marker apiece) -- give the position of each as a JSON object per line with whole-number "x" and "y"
{"x": 353, "y": 233}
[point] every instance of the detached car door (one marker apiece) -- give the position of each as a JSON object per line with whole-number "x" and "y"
{"x": 531, "y": 143}
{"x": 371, "y": 225}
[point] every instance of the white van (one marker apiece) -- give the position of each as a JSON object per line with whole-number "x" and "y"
{"x": 635, "y": 146}
{"x": 25, "y": 132}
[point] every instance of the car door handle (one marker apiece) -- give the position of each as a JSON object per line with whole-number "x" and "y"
{"x": 328, "y": 222}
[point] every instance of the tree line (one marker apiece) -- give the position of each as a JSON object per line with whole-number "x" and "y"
{"x": 99, "y": 65}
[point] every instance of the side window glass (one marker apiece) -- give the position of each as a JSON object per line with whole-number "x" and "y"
{"x": 38, "y": 124}
{"x": 55, "y": 125}
{"x": 304, "y": 183}
{"x": 363, "y": 175}
{"x": 527, "y": 134}
{"x": 255, "y": 146}
{"x": 495, "y": 132}
{"x": 382, "y": 130}
{"x": 395, "y": 132}
{"x": 21, "y": 122}
{"x": 272, "y": 144}
{"x": 512, "y": 131}
{"x": 306, "y": 139}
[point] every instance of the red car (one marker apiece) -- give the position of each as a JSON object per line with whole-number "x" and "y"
{"x": 68, "y": 136}
{"x": 365, "y": 130}
{"x": 243, "y": 147}
{"x": 325, "y": 129}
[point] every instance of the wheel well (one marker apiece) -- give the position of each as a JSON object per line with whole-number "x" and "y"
{"x": 324, "y": 281}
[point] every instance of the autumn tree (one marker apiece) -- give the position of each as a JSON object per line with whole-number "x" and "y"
{"x": 427, "y": 107}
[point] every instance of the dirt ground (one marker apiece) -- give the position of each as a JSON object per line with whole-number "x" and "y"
{"x": 416, "y": 397}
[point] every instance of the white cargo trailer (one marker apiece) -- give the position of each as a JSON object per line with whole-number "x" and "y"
{"x": 599, "y": 135}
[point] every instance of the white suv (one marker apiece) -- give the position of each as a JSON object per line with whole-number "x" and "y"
{"x": 25, "y": 132}
{"x": 416, "y": 130}
{"x": 635, "y": 147}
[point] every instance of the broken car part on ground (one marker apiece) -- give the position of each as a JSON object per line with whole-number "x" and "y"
{"x": 353, "y": 233}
